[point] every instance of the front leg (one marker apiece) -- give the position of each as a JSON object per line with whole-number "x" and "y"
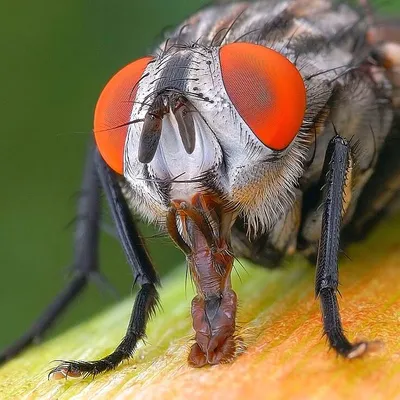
{"x": 144, "y": 274}
{"x": 335, "y": 170}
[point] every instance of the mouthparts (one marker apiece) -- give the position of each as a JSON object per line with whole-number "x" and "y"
{"x": 201, "y": 228}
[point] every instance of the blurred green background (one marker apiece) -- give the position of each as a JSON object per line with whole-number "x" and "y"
{"x": 56, "y": 57}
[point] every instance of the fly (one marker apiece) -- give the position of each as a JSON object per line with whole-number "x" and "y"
{"x": 257, "y": 130}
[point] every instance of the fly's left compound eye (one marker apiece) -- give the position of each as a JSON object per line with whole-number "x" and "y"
{"x": 113, "y": 113}
{"x": 266, "y": 89}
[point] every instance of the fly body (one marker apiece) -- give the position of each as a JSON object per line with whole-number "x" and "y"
{"x": 257, "y": 129}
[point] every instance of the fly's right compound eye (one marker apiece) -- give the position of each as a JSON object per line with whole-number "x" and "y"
{"x": 266, "y": 89}
{"x": 113, "y": 113}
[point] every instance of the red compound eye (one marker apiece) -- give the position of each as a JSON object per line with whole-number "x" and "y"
{"x": 266, "y": 89}
{"x": 113, "y": 113}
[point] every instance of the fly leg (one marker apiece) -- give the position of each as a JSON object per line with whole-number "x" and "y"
{"x": 143, "y": 273}
{"x": 85, "y": 263}
{"x": 335, "y": 170}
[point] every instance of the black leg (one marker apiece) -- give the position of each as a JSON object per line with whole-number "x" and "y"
{"x": 85, "y": 264}
{"x": 145, "y": 303}
{"x": 144, "y": 275}
{"x": 335, "y": 170}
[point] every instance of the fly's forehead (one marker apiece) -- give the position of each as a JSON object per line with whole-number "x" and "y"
{"x": 172, "y": 72}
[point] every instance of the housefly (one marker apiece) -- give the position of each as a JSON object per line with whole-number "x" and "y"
{"x": 256, "y": 130}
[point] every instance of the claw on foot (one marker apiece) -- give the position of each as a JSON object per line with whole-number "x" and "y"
{"x": 362, "y": 348}
{"x": 65, "y": 370}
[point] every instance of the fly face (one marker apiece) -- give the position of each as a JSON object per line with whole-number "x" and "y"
{"x": 205, "y": 119}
